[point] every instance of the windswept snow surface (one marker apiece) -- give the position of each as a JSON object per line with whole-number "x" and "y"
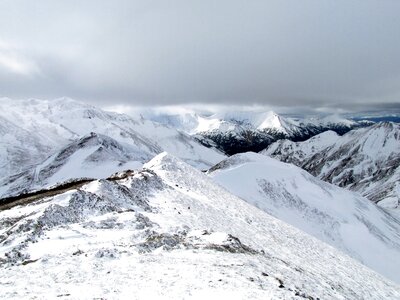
{"x": 365, "y": 160}
{"x": 168, "y": 231}
{"x": 341, "y": 218}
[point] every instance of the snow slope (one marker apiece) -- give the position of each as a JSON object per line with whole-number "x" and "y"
{"x": 336, "y": 216}
{"x": 169, "y": 231}
{"x": 365, "y": 160}
{"x": 36, "y": 129}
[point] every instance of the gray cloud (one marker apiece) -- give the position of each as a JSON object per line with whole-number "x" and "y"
{"x": 304, "y": 54}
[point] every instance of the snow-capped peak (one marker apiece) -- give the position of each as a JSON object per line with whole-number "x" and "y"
{"x": 275, "y": 122}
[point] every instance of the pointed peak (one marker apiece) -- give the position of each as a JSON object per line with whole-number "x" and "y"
{"x": 272, "y": 121}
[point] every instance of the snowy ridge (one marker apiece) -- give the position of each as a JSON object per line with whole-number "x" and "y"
{"x": 365, "y": 160}
{"x": 174, "y": 233}
{"x": 338, "y": 217}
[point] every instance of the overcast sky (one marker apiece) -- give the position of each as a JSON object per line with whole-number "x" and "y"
{"x": 307, "y": 54}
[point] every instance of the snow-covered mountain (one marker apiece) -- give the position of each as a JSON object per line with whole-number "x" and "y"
{"x": 341, "y": 218}
{"x": 34, "y": 130}
{"x": 168, "y": 231}
{"x": 365, "y": 160}
{"x": 236, "y": 132}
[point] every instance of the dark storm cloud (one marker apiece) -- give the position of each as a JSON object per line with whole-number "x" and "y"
{"x": 312, "y": 54}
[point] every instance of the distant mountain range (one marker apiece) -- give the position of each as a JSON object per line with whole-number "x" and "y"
{"x": 376, "y": 119}
{"x": 237, "y": 132}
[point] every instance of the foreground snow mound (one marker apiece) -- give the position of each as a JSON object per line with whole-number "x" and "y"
{"x": 338, "y": 217}
{"x": 168, "y": 231}
{"x": 33, "y": 130}
{"x": 366, "y": 160}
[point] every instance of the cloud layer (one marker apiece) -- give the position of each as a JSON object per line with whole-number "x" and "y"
{"x": 313, "y": 54}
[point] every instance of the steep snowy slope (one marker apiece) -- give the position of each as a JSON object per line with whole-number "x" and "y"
{"x": 169, "y": 231}
{"x": 38, "y": 128}
{"x": 336, "y": 216}
{"x": 92, "y": 156}
{"x": 366, "y": 160}
{"x": 20, "y": 147}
